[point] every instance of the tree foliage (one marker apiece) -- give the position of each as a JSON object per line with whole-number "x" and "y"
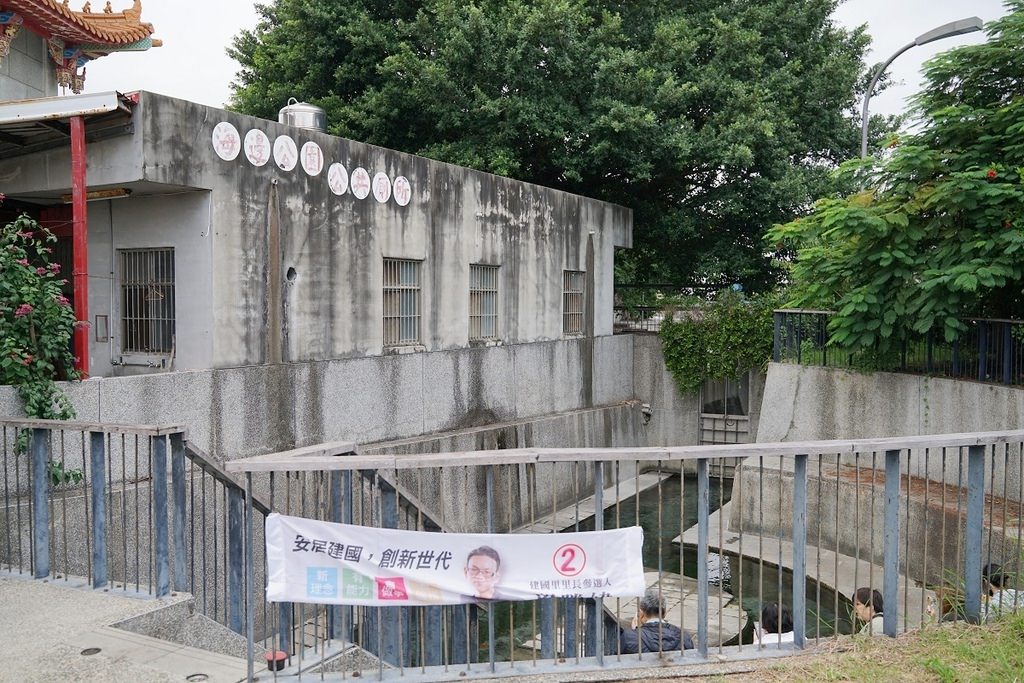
{"x": 36, "y": 320}
{"x": 711, "y": 119}
{"x": 718, "y": 339}
{"x": 938, "y": 235}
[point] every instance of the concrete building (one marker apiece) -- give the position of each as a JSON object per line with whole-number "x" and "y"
{"x": 217, "y": 240}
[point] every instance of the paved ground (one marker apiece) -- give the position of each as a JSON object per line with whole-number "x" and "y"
{"x": 47, "y": 626}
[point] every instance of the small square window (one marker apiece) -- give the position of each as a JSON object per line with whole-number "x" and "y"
{"x": 483, "y": 303}
{"x": 401, "y": 302}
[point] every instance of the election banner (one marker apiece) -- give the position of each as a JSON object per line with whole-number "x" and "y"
{"x": 344, "y": 564}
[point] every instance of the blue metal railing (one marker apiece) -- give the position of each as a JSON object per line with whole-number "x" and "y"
{"x": 988, "y": 351}
{"x": 134, "y": 508}
{"x": 831, "y": 513}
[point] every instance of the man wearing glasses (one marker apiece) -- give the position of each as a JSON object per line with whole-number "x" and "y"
{"x": 482, "y": 567}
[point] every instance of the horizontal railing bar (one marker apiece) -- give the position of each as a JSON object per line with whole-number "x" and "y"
{"x": 283, "y": 462}
{"x": 68, "y": 425}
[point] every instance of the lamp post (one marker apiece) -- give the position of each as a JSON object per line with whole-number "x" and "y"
{"x": 953, "y": 28}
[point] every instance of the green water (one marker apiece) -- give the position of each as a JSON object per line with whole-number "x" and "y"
{"x": 752, "y": 582}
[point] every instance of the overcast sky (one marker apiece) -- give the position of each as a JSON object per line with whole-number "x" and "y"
{"x": 192, "y": 63}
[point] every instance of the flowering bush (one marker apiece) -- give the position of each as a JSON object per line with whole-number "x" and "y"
{"x": 36, "y": 320}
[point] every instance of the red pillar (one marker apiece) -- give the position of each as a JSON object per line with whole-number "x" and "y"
{"x": 80, "y": 255}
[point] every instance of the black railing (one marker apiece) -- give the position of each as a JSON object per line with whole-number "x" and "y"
{"x": 988, "y": 351}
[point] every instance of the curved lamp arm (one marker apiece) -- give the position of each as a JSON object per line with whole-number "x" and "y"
{"x": 953, "y": 28}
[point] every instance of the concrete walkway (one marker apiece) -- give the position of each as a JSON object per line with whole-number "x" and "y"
{"x": 50, "y": 625}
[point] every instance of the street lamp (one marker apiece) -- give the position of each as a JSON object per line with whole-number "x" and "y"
{"x": 953, "y": 28}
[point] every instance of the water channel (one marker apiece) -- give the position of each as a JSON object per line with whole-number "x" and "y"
{"x": 664, "y": 512}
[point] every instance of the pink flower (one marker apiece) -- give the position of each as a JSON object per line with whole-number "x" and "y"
{"x": 54, "y": 267}
{"x": 27, "y": 359}
{"x": 63, "y": 300}
{"x": 41, "y": 271}
{"x": 22, "y": 262}
{"x": 992, "y": 173}
{"x": 23, "y": 310}
{"x": 25, "y": 235}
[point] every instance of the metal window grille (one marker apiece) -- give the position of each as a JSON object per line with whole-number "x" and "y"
{"x": 483, "y": 302}
{"x": 147, "y": 300}
{"x": 401, "y": 302}
{"x": 573, "y": 299}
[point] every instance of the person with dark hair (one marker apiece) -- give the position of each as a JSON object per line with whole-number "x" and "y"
{"x": 650, "y": 633}
{"x": 1003, "y": 599}
{"x": 776, "y": 625}
{"x": 867, "y": 607}
{"x": 482, "y": 571}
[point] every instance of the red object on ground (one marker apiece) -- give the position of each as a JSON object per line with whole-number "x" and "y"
{"x": 276, "y": 659}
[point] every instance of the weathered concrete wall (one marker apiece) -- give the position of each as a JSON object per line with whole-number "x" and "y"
{"x": 675, "y": 418}
{"x": 811, "y": 403}
{"x": 27, "y": 71}
{"x": 804, "y": 403}
{"x": 455, "y": 498}
{"x": 238, "y": 412}
{"x": 271, "y": 264}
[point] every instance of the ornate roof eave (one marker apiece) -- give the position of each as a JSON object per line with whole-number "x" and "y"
{"x": 109, "y": 29}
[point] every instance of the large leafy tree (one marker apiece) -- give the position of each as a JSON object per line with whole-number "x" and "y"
{"x": 938, "y": 234}
{"x": 711, "y": 119}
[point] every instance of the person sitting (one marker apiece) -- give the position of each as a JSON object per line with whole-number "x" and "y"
{"x": 650, "y": 633}
{"x": 867, "y": 607}
{"x": 776, "y": 625}
{"x": 1003, "y": 599}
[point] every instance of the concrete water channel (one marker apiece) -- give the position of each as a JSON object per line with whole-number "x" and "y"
{"x": 666, "y": 508}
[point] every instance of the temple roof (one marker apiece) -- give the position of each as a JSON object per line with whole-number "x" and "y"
{"x": 93, "y": 31}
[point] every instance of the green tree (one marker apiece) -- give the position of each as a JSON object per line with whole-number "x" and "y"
{"x": 711, "y": 119}
{"x": 937, "y": 236}
{"x": 36, "y": 320}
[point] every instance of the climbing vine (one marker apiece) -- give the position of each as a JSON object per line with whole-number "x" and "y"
{"x": 718, "y": 339}
{"x": 36, "y": 320}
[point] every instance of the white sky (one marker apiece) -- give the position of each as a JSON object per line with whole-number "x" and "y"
{"x": 192, "y": 63}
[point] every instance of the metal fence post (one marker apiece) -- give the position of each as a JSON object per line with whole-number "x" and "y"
{"x": 97, "y": 485}
{"x": 250, "y": 579}
{"x": 703, "y": 496}
{"x": 179, "y": 514}
{"x": 777, "y": 337}
{"x": 1007, "y": 352}
{"x": 891, "y": 547}
{"x": 547, "y": 628}
{"x": 799, "y": 549}
{"x": 335, "y": 624}
{"x": 489, "y": 477}
{"x": 973, "y": 533}
{"x": 161, "y": 540}
{"x": 982, "y": 350}
{"x": 39, "y": 446}
{"x": 390, "y": 617}
{"x": 595, "y": 611}
{"x": 235, "y": 559}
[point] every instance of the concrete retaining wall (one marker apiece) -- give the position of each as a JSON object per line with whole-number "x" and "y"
{"x": 813, "y": 403}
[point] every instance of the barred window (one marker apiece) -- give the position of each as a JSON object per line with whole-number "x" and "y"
{"x": 483, "y": 302}
{"x": 147, "y": 300}
{"x": 401, "y": 302}
{"x": 573, "y": 298}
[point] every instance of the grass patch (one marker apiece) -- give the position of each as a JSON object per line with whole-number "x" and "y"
{"x": 950, "y": 653}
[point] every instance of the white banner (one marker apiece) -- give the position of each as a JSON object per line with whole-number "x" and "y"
{"x": 343, "y": 564}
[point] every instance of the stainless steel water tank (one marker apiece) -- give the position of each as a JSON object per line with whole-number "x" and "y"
{"x": 303, "y": 115}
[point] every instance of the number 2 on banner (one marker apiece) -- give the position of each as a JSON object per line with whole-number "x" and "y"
{"x": 570, "y": 559}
